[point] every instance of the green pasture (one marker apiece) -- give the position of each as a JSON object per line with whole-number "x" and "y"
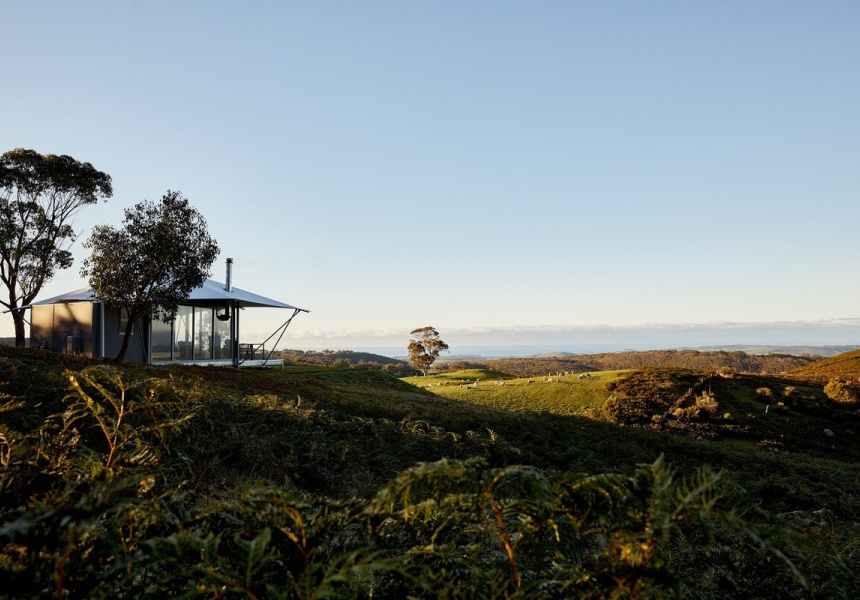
{"x": 571, "y": 394}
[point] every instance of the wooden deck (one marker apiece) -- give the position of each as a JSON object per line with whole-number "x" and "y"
{"x": 257, "y": 363}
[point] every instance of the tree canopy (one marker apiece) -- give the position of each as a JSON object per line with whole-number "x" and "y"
{"x": 147, "y": 267}
{"x": 424, "y": 348}
{"x": 39, "y": 197}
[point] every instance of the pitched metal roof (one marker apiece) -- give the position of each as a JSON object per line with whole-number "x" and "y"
{"x": 217, "y": 291}
{"x": 210, "y": 291}
{"x": 81, "y": 295}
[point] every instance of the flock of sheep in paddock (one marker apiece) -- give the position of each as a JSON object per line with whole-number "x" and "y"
{"x": 468, "y": 383}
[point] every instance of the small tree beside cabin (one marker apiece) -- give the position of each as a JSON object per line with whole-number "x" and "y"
{"x": 152, "y": 263}
{"x": 424, "y": 348}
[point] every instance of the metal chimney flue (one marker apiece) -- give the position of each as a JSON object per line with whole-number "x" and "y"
{"x": 229, "y": 285}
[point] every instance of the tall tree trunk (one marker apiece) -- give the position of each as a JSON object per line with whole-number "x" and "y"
{"x": 20, "y": 332}
{"x": 126, "y": 339}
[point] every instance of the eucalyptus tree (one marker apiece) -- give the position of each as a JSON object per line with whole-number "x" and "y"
{"x": 424, "y": 348}
{"x": 148, "y": 266}
{"x": 40, "y": 194}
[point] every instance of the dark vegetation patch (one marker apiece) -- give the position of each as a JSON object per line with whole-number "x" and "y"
{"x": 775, "y": 413}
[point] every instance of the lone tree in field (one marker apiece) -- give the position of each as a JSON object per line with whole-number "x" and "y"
{"x": 424, "y": 348}
{"x": 39, "y": 198}
{"x": 161, "y": 253}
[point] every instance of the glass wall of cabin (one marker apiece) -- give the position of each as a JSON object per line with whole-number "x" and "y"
{"x": 203, "y": 316}
{"x": 197, "y": 334}
{"x": 221, "y": 342}
{"x": 183, "y": 333}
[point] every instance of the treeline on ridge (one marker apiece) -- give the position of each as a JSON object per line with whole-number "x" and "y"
{"x": 740, "y": 362}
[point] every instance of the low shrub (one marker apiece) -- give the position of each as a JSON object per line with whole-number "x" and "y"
{"x": 841, "y": 391}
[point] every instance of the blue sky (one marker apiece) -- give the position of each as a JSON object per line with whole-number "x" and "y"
{"x": 483, "y": 167}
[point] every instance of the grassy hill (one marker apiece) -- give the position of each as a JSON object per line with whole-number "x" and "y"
{"x": 846, "y": 365}
{"x": 202, "y": 457}
{"x": 559, "y": 395}
{"x": 770, "y": 412}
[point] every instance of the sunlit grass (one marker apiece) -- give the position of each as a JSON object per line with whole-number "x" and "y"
{"x": 571, "y": 394}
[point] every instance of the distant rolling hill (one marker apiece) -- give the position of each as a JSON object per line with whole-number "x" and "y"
{"x": 346, "y": 358}
{"x": 331, "y": 355}
{"x": 797, "y": 350}
{"x": 740, "y": 362}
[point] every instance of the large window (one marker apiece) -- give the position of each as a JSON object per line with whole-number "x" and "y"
{"x": 196, "y": 334}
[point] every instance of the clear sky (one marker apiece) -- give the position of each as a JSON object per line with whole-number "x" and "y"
{"x": 482, "y": 167}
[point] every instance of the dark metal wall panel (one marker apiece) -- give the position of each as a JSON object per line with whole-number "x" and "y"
{"x": 137, "y": 346}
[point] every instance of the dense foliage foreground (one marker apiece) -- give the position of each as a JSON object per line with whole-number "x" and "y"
{"x": 317, "y": 483}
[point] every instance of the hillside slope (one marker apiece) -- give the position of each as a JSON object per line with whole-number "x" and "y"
{"x": 224, "y": 482}
{"x": 765, "y": 412}
{"x": 846, "y": 365}
{"x": 344, "y": 432}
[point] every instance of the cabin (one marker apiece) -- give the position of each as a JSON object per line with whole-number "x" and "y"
{"x": 205, "y": 330}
